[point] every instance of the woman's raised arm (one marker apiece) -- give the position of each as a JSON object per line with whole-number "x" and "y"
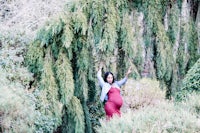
{"x": 123, "y": 81}
{"x": 99, "y": 77}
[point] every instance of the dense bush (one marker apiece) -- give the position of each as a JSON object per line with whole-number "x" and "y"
{"x": 191, "y": 82}
{"x": 141, "y": 93}
{"x": 17, "y": 105}
{"x": 17, "y": 109}
{"x": 157, "y": 38}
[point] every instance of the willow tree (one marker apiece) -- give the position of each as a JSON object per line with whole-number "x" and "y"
{"x": 171, "y": 35}
{"x": 66, "y": 52}
{"x": 64, "y": 58}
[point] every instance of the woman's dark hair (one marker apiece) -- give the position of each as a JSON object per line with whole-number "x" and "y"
{"x": 106, "y": 75}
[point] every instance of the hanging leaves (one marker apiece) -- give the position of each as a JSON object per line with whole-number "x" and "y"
{"x": 67, "y": 36}
{"x": 49, "y": 92}
{"x": 111, "y": 19}
{"x": 35, "y": 58}
{"x": 79, "y": 22}
{"x": 67, "y": 51}
{"x": 82, "y": 80}
{"x": 75, "y": 117}
{"x": 64, "y": 77}
{"x": 48, "y": 34}
{"x": 127, "y": 37}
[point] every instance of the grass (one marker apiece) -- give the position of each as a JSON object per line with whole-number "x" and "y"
{"x": 153, "y": 117}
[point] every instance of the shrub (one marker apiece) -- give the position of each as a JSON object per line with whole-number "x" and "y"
{"x": 138, "y": 94}
{"x": 191, "y": 82}
{"x": 17, "y": 105}
{"x": 192, "y": 103}
{"x": 17, "y": 112}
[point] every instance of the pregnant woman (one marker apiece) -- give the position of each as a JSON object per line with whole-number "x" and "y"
{"x": 110, "y": 93}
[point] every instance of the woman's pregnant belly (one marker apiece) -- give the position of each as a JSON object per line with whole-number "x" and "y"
{"x": 115, "y": 97}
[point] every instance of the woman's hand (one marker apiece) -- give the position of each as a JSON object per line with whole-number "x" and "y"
{"x": 101, "y": 65}
{"x": 129, "y": 71}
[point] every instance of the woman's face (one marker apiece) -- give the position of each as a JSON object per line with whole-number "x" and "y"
{"x": 110, "y": 79}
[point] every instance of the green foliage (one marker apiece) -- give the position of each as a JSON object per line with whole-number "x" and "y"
{"x": 179, "y": 2}
{"x": 79, "y": 22}
{"x": 48, "y": 102}
{"x": 96, "y": 110}
{"x": 181, "y": 60}
{"x": 92, "y": 92}
{"x": 17, "y": 108}
{"x": 176, "y": 46}
{"x": 93, "y": 31}
{"x": 128, "y": 49}
{"x": 137, "y": 44}
{"x": 96, "y": 18}
{"x": 68, "y": 35}
{"x": 81, "y": 86}
{"x": 173, "y": 28}
{"x": 110, "y": 26}
{"x": 188, "y": 49}
{"x": 182, "y": 57}
{"x": 126, "y": 37}
{"x": 49, "y": 33}
{"x": 88, "y": 124}
{"x": 75, "y": 117}
{"x": 160, "y": 43}
{"x": 192, "y": 45}
{"x": 191, "y": 82}
{"x": 164, "y": 55}
{"x": 45, "y": 120}
{"x": 67, "y": 50}
{"x": 64, "y": 76}
{"x": 34, "y": 58}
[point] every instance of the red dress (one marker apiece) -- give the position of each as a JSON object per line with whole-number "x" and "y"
{"x": 114, "y": 102}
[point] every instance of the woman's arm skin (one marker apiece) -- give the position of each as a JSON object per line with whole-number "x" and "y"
{"x": 128, "y": 72}
{"x": 123, "y": 81}
{"x": 99, "y": 77}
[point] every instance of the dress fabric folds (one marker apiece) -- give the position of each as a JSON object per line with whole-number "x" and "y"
{"x": 114, "y": 103}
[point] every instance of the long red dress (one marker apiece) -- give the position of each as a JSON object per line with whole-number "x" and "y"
{"x": 114, "y": 102}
